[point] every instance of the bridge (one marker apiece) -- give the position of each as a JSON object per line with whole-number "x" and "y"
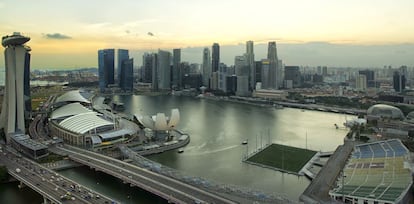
{"x": 53, "y": 187}
{"x": 172, "y": 190}
{"x": 352, "y": 111}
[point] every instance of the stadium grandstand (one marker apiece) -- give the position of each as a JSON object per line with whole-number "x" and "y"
{"x": 376, "y": 173}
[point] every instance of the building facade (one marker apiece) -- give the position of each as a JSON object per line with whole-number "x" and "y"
{"x": 106, "y": 63}
{"x": 176, "y": 71}
{"x": 206, "y": 67}
{"x": 14, "y": 107}
{"x": 251, "y": 64}
{"x": 126, "y": 82}
{"x": 122, "y": 55}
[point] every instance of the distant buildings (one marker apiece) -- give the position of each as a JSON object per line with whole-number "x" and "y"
{"x": 398, "y": 81}
{"x": 16, "y": 101}
{"x": 126, "y": 82}
{"x": 163, "y": 70}
{"x": 176, "y": 69}
{"x": 206, "y": 66}
{"x": 106, "y": 63}
{"x": 292, "y": 77}
{"x": 122, "y": 55}
{"x": 250, "y": 64}
{"x": 106, "y": 69}
{"x": 370, "y": 77}
{"x": 215, "y": 63}
{"x": 361, "y": 83}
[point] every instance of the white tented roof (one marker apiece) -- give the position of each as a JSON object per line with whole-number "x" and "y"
{"x": 71, "y": 96}
{"x": 84, "y": 122}
{"x": 69, "y": 110}
{"x": 160, "y": 121}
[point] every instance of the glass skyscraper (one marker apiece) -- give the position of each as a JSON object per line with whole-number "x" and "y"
{"x": 106, "y": 63}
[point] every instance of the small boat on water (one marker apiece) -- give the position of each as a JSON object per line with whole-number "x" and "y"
{"x": 181, "y": 150}
{"x": 244, "y": 142}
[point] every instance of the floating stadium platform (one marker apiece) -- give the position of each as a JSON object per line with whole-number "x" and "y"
{"x": 377, "y": 172}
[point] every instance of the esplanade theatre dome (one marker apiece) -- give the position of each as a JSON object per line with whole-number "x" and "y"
{"x": 385, "y": 111}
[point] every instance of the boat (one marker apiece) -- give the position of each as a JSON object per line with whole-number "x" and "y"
{"x": 244, "y": 142}
{"x": 181, "y": 150}
{"x": 15, "y": 39}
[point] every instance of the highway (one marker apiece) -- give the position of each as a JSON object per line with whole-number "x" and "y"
{"x": 172, "y": 190}
{"x": 52, "y": 186}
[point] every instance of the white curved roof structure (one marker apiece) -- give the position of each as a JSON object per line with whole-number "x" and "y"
{"x": 69, "y": 110}
{"x": 160, "y": 121}
{"x": 72, "y": 96}
{"x": 84, "y": 122}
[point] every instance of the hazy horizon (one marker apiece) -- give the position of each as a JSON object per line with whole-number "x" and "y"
{"x": 301, "y": 54}
{"x": 353, "y": 33}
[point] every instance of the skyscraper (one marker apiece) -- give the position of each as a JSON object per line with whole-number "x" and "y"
{"x": 266, "y": 78}
{"x": 370, "y": 76}
{"x": 126, "y": 82}
{"x": 215, "y": 63}
{"x": 251, "y": 64}
{"x": 398, "y": 81}
{"x": 122, "y": 55}
{"x": 17, "y": 60}
{"x": 273, "y": 66}
{"x": 206, "y": 67}
{"x": 147, "y": 63}
{"x": 164, "y": 70}
{"x": 106, "y": 60}
{"x": 176, "y": 71}
{"x": 292, "y": 73}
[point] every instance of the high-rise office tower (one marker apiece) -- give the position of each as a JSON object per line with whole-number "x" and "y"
{"x": 14, "y": 107}
{"x": 222, "y": 73}
{"x": 215, "y": 62}
{"x": 206, "y": 67}
{"x": 398, "y": 81}
{"x": 258, "y": 71}
{"x": 273, "y": 65}
{"x": 325, "y": 71}
{"x": 147, "y": 66}
{"x": 122, "y": 55}
{"x": 292, "y": 74}
{"x": 251, "y": 64}
{"x": 106, "y": 63}
{"x": 241, "y": 66}
{"x": 164, "y": 69}
{"x": 266, "y": 78}
{"x": 126, "y": 82}
{"x": 370, "y": 76}
{"x": 176, "y": 71}
{"x": 155, "y": 77}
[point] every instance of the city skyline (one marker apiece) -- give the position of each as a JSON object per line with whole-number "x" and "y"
{"x": 68, "y": 32}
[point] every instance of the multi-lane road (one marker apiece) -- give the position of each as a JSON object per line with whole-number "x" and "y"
{"x": 52, "y": 186}
{"x": 168, "y": 188}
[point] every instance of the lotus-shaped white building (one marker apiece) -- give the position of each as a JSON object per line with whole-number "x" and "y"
{"x": 160, "y": 122}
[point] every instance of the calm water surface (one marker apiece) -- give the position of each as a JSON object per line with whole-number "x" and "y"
{"x": 218, "y": 128}
{"x": 215, "y": 152}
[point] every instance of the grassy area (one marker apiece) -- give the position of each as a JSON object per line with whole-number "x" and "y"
{"x": 283, "y": 157}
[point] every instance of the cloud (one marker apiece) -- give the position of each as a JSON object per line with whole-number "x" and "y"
{"x": 57, "y": 36}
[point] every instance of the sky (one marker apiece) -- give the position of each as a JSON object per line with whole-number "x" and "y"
{"x": 68, "y": 33}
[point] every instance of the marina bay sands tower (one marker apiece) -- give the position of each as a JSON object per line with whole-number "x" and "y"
{"x": 17, "y": 90}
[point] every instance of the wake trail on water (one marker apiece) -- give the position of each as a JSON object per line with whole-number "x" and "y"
{"x": 210, "y": 151}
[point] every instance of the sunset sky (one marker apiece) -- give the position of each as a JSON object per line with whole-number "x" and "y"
{"x": 69, "y": 33}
